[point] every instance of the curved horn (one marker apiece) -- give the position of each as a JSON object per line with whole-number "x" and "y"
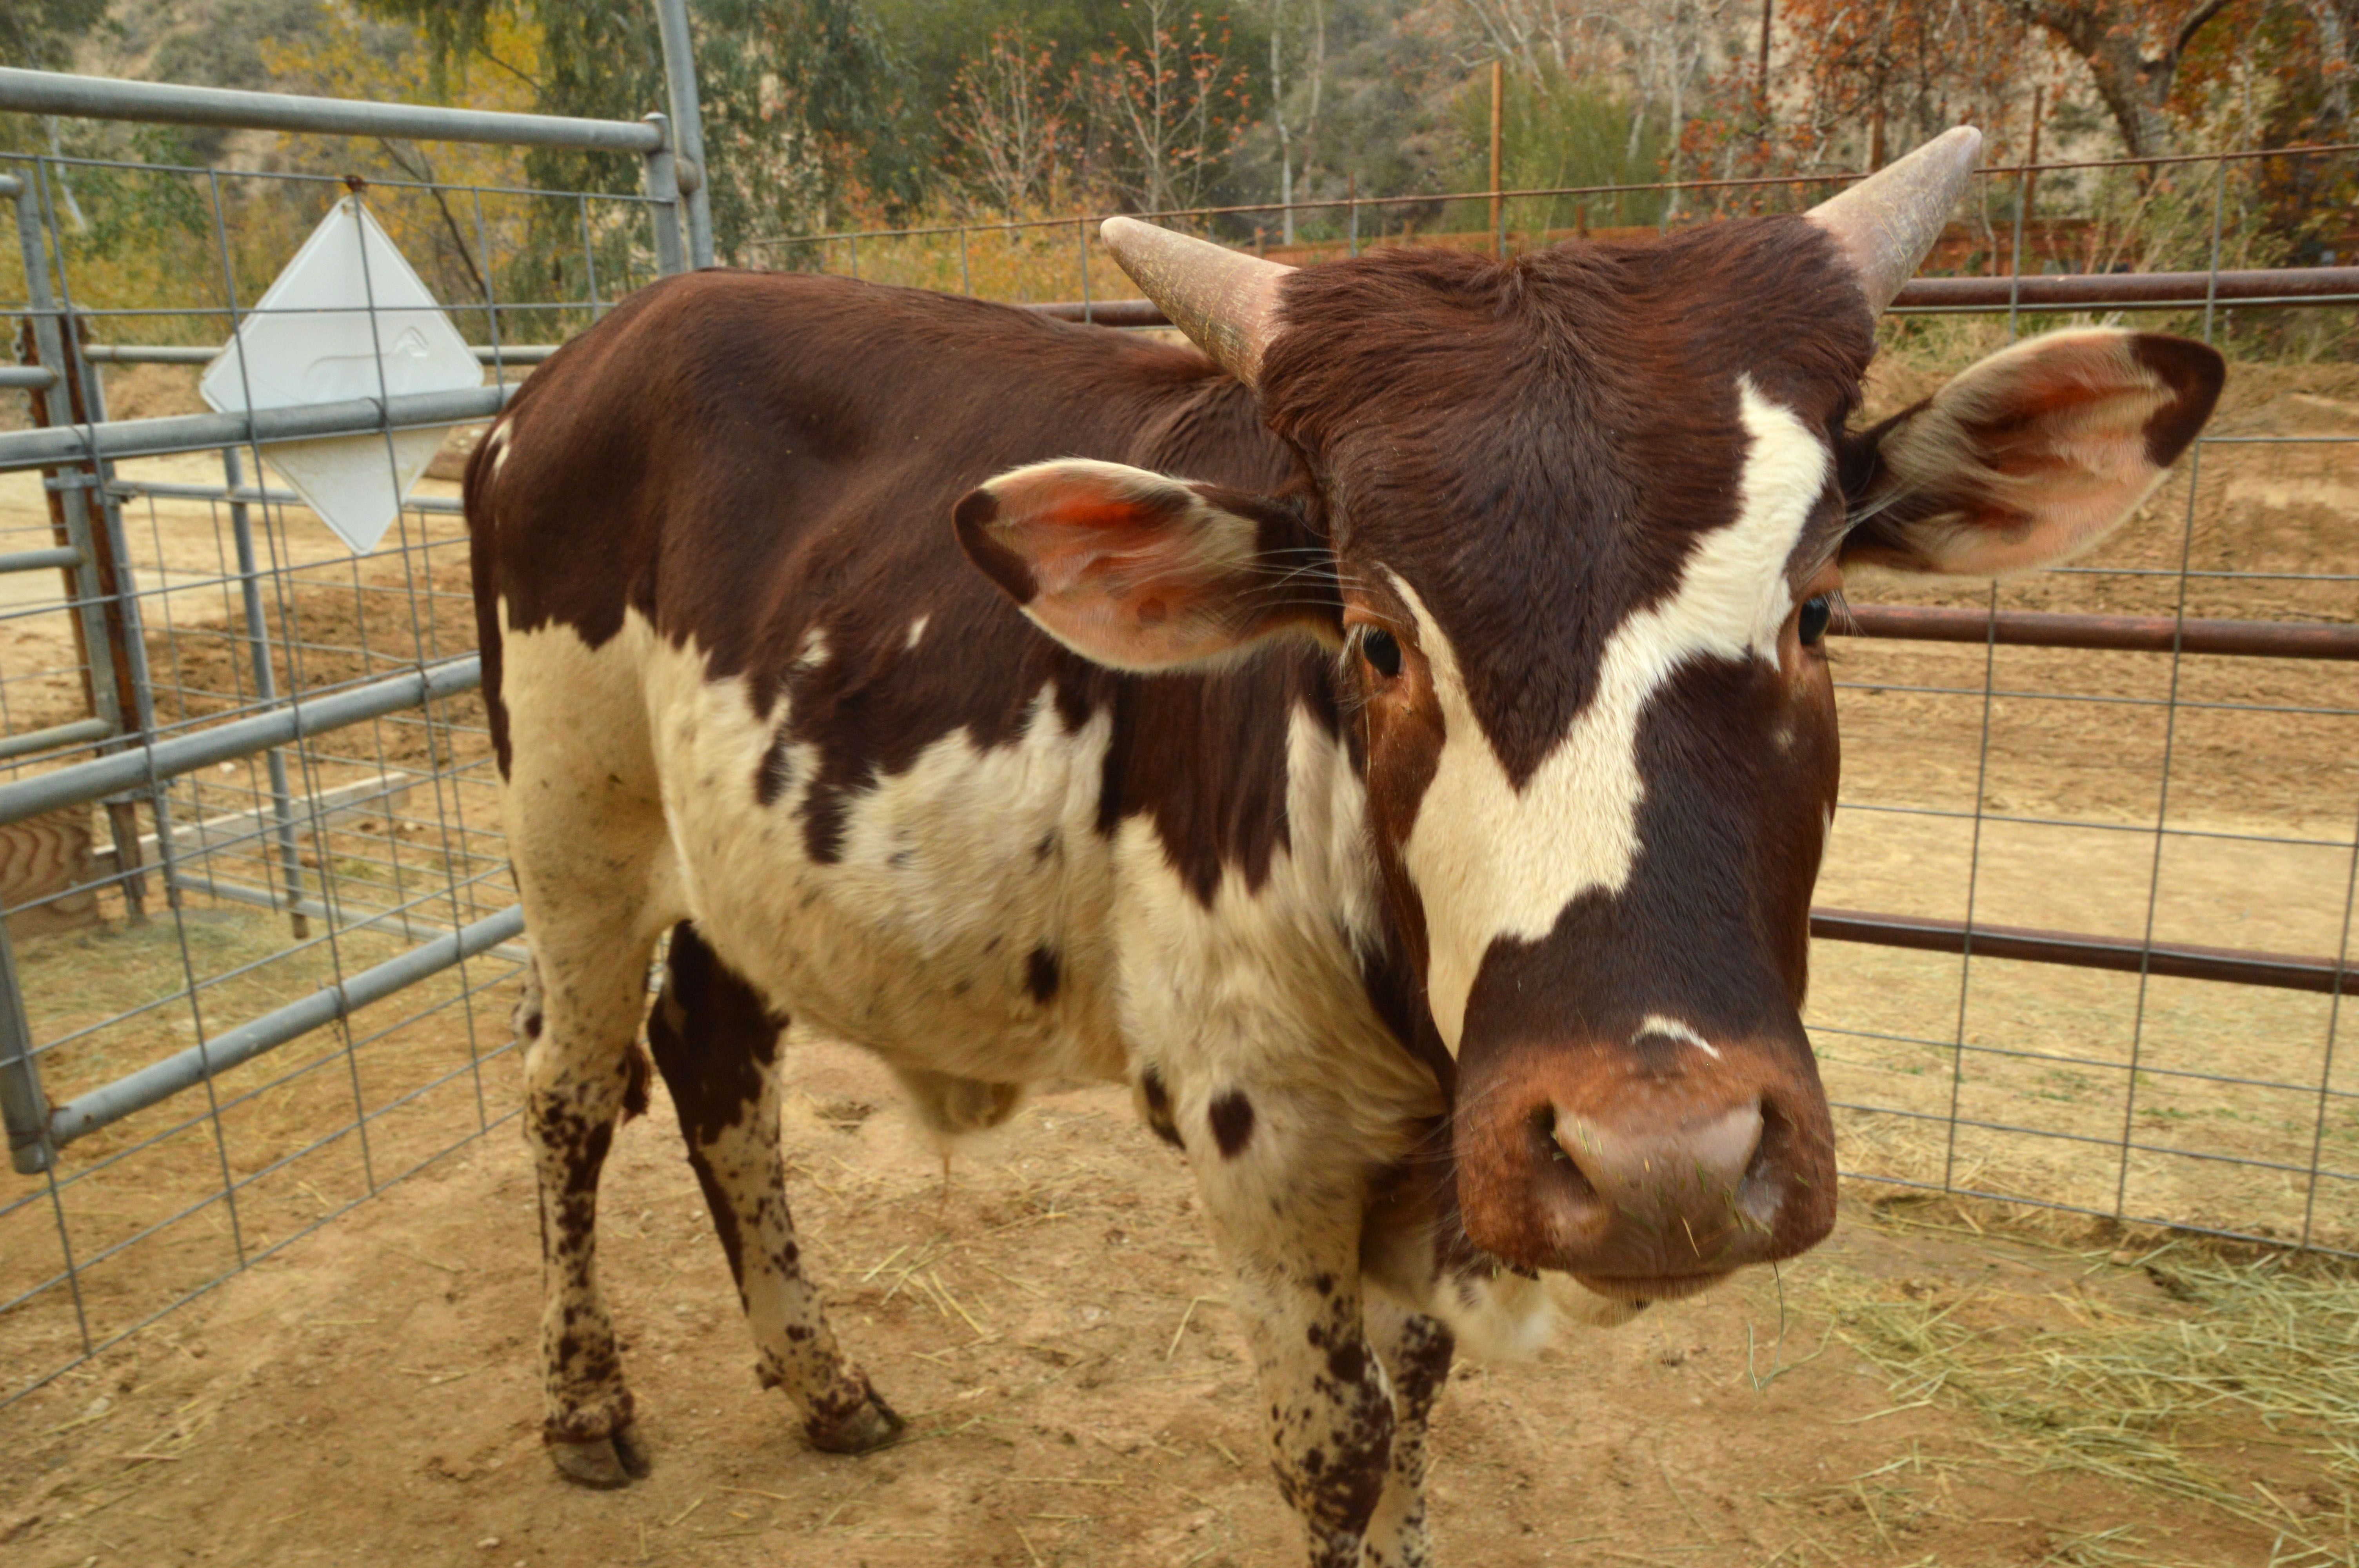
{"x": 1888, "y": 222}
{"x": 1224, "y": 300}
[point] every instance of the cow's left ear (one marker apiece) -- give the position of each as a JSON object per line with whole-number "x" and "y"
{"x": 1142, "y": 571}
{"x": 2029, "y": 456}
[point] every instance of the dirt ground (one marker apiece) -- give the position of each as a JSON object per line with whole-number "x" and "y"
{"x": 1053, "y": 1324}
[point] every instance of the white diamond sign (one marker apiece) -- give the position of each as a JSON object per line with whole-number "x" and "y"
{"x": 347, "y": 317}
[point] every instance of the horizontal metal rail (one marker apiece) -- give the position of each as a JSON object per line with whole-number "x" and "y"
{"x": 2071, "y": 291}
{"x": 27, "y": 378}
{"x": 181, "y": 354}
{"x": 2235, "y": 966}
{"x": 34, "y": 560}
{"x": 94, "y": 780}
{"x": 104, "y": 98}
{"x": 78, "y": 732}
{"x": 166, "y": 489}
{"x": 2139, "y": 634}
{"x": 158, "y": 1081}
{"x": 64, "y": 445}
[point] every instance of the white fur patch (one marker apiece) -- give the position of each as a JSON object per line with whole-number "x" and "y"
{"x": 498, "y": 442}
{"x": 1657, "y": 1024}
{"x": 917, "y": 631}
{"x": 1492, "y": 861}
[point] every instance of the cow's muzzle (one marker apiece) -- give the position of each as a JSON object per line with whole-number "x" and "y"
{"x": 1642, "y": 1183}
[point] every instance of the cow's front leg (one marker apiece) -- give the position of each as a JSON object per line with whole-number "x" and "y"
{"x": 1415, "y": 1351}
{"x": 716, "y": 1044}
{"x": 1285, "y": 1197}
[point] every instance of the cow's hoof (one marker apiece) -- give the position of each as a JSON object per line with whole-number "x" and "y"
{"x": 868, "y": 1426}
{"x": 603, "y": 1463}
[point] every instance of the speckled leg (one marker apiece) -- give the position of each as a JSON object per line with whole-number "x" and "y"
{"x": 1416, "y": 1351}
{"x": 717, "y": 1044}
{"x": 1286, "y": 1212}
{"x": 581, "y": 1067}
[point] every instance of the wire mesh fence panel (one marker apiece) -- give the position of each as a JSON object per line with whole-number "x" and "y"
{"x": 265, "y": 971}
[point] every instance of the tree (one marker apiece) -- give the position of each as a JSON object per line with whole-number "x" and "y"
{"x": 1893, "y": 74}
{"x": 1291, "y": 124}
{"x": 1006, "y": 123}
{"x": 799, "y": 97}
{"x": 1164, "y": 108}
{"x": 2132, "y": 49}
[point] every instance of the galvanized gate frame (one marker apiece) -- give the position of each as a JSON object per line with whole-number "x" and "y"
{"x": 134, "y": 762}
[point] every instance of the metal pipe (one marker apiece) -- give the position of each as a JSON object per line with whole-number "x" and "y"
{"x": 2142, "y": 633}
{"x": 2235, "y": 966}
{"x": 34, "y": 560}
{"x": 177, "y": 354}
{"x": 24, "y": 1107}
{"x": 194, "y": 432}
{"x": 104, "y": 98}
{"x": 27, "y": 378}
{"x": 266, "y": 686}
{"x": 177, "y": 754}
{"x": 687, "y": 127}
{"x": 660, "y": 177}
{"x": 79, "y": 732}
{"x": 2076, "y": 291}
{"x": 158, "y": 1081}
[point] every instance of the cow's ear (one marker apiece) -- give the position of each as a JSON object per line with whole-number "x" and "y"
{"x": 2028, "y": 457}
{"x": 1141, "y": 572}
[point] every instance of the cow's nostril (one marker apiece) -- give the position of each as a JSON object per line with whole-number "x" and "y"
{"x": 1763, "y": 1190}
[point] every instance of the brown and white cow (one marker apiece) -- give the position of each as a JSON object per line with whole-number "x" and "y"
{"x": 1399, "y": 746}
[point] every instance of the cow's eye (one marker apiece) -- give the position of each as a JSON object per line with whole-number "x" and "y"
{"x": 1816, "y": 613}
{"x": 1381, "y": 650}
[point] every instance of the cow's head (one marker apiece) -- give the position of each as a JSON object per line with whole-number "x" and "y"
{"x": 1575, "y": 525}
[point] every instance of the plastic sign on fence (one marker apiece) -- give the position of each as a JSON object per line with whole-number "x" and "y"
{"x": 347, "y": 317}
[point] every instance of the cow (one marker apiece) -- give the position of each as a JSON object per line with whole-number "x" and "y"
{"x": 1390, "y": 733}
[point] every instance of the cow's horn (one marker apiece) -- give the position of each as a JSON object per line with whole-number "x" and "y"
{"x": 1224, "y": 300}
{"x": 1888, "y": 222}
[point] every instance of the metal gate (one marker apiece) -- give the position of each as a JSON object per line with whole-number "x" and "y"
{"x": 257, "y": 913}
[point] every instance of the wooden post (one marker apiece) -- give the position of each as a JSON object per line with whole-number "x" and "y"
{"x": 1498, "y": 85}
{"x": 2031, "y": 160}
{"x": 1761, "y": 81}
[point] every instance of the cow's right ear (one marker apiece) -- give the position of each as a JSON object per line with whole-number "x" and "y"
{"x": 1141, "y": 572}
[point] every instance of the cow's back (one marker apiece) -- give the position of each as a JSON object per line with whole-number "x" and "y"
{"x": 721, "y": 603}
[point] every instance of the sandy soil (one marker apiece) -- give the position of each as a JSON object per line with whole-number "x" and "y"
{"x": 1054, "y": 1325}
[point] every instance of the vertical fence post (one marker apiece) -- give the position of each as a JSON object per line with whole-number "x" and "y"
{"x": 687, "y": 127}
{"x": 1498, "y": 211}
{"x": 266, "y": 689}
{"x": 126, "y": 634}
{"x": 1082, "y": 237}
{"x": 658, "y": 174}
{"x": 114, "y": 704}
{"x": 1351, "y": 202}
{"x": 22, "y": 1104}
{"x": 966, "y": 283}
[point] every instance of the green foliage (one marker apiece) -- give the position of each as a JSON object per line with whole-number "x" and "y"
{"x": 801, "y": 100}
{"x": 1556, "y": 133}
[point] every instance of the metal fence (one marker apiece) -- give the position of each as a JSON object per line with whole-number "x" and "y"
{"x": 257, "y": 917}
{"x": 2085, "y": 924}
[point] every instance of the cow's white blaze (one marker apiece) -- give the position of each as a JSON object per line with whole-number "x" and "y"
{"x": 1491, "y": 860}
